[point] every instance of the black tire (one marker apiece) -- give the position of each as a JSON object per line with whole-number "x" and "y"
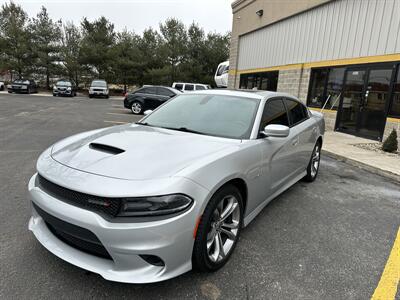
{"x": 312, "y": 172}
{"x": 54, "y": 95}
{"x": 200, "y": 257}
{"x": 90, "y": 96}
{"x": 10, "y": 92}
{"x": 107, "y": 96}
{"x": 137, "y": 108}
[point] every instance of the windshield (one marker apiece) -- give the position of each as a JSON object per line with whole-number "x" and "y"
{"x": 63, "y": 83}
{"x": 99, "y": 83}
{"x": 21, "y": 81}
{"x": 216, "y": 115}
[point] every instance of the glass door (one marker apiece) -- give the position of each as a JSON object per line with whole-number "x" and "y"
{"x": 351, "y": 100}
{"x": 363, "y": 101}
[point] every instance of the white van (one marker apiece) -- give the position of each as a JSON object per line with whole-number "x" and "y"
{"x": 221, "y": 75}
{"x": 185, "y": 87}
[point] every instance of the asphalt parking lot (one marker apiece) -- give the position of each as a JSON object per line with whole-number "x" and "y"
{"x": 326, "y": 240}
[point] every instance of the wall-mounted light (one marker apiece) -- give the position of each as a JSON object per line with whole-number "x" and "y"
{"x": 260, "y": 12}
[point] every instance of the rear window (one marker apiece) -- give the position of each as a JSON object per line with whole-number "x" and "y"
{"x": 296, "y": 110}
{"x": 200, "y": 87}
{"x": 189, "y": 87}
{"x": 165, "y": 92}
{"x": 148, "y": 90}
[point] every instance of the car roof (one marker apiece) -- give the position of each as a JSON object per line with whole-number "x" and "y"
{"x": 243, "y": 93}
{"x": 160, "y": 86}
{"x": 190, "y": 83}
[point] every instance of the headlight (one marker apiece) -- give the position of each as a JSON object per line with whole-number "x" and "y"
{"x": 154, "y": 206}
{"x": 54, "y": 87}
{"x": 68, "y": 88}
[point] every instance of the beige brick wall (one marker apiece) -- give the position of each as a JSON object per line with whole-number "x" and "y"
{"x": 294, "y": 82}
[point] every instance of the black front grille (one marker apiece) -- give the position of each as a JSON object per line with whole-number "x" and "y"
{"x": 106, "y": 206}
{"x": 73, "y": 235}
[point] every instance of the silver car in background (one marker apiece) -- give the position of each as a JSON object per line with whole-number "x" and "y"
{"x": 149, "y": 201}
{"x": 98, "y": 88}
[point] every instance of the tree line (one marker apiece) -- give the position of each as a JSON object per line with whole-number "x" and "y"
{"x": 47, "y": 49}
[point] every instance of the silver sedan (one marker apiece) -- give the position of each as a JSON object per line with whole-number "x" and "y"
{"x": 149, "y": 201}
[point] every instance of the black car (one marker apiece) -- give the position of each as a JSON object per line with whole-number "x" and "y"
{"x": 22, "y": 86}
{"x": 64, "y": 88}
{"x": 148, "y": 97}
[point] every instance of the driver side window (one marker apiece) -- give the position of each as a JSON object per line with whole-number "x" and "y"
{"x": 274, "y": 113}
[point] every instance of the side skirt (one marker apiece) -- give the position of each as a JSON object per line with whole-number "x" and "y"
{"x": 259, "y": 208}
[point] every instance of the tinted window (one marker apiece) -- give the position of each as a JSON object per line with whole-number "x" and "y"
{"x": 216, "y": 115}
{"x": 165, "y": 92}
{"x": 149, "y": 90}
{"x": 179, "y": 86}
{"x": 395, "y": 105}
{"x": 200, "y": 87}
{"x": 189, "y": 87}
{"x": 274, "y": 113}
{"x": 297, "y": 111}
{"x": 262, "y": 81}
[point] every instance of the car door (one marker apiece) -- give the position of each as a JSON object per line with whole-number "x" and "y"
{"x": 305, "y": 130}
{"x": 149, "y": 96}
{"x": 278, "y": 153}
{"x": 164, "y": 95}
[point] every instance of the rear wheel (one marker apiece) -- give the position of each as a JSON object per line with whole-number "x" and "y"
{"x": 219, "y": 229}
{"x": 137, "y": 108}
{"x": 313, "y": 166}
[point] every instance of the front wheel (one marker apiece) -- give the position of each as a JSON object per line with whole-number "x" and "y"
{"x": 313, "y": 166}
{"x": 136, "y": 108}
{"x": 218, "y": 230}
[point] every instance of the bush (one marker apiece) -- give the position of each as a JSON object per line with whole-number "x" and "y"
{"x": 390, "y": 144}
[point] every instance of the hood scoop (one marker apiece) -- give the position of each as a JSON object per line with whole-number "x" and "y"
{"x": 106, "y": 148}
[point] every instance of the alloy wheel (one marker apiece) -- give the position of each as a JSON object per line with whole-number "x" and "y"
{"x": 136, "y": 108}
{"x": 224, "y": 228}
{"x": 315, "y": 160}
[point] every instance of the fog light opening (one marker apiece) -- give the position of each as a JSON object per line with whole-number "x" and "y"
{"x": 153, "y": 260}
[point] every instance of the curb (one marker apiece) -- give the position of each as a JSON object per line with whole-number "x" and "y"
{"x": 363, "y": 166}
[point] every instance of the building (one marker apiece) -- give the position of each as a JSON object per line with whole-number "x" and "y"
{"x": 339, "y": 55}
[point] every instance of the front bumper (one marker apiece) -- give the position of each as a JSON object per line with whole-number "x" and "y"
{"x": 62, "y": 92}
{"x": 170, "y": 239}
{"x": 98, "y": 93}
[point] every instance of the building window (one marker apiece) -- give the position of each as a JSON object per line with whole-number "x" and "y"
{"x": 395, "y": 106}
{"x": 267, "y": 81}
{"x": 325, "y": 87}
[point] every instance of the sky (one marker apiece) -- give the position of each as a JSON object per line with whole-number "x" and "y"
{"x": 136, "y": 15}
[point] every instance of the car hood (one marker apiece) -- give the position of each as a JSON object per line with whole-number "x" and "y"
{"x": 136, "y": 152}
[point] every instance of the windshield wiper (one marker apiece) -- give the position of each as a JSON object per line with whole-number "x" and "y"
{"x": 143, "y": 123}
{"x": 184, "y": 129}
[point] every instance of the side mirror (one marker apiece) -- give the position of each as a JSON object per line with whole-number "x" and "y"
{"x": 147, "y": 112}
{"x": 275, "y": 130}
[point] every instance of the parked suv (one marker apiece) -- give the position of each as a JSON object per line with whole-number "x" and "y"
{"x": 148, "y": 97}
{"x": 184, "y": 87}
{"x": 22, "y": 86}
{"x": 64, "y": 88}
{"x": 98, "y": 88}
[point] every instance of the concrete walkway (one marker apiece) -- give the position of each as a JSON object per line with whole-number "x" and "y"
{"x": 341, "y": 146}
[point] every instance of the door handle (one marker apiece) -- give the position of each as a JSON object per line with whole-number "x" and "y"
{"x": 295, "y": 141}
